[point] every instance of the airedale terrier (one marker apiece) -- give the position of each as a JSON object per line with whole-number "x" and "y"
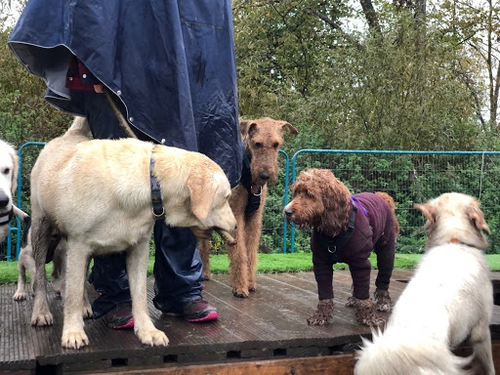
{"x": 263, "y": 138}
{"x": 346, "y": 228}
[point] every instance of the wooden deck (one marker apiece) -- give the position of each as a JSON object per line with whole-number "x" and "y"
{"x": 267, "y": 330}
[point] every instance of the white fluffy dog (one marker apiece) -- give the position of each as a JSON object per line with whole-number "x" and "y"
{"x": 8, "y": 185}
{"x": 449, "y": 300}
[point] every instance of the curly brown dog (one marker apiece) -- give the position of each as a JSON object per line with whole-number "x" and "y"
{"x": 346, "y": 228}
{"x": 263, "y": 138}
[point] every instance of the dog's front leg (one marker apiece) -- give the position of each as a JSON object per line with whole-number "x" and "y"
{"x": 73, "y": 335}
{"x": 253, "y": 231}
{"x": 137, "y": 267}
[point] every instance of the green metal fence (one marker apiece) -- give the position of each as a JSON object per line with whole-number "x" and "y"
{"x": 408, "y": 176}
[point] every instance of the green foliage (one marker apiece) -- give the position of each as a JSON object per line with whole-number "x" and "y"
{"x": 400, "y": 89}
{"x": 24, "y": 114}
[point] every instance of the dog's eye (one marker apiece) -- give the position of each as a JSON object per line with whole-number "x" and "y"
{"x": 258, "y": 145}
{"x": 276, "y": 145}
{"x": 309, "y": 196}
{"x": 6, "y": 171}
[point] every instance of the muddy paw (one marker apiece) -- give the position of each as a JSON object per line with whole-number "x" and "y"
{"x": 323, "y": 313}
{"x": 351, "y": 302}
{"x": 366, "y": 314}
{"x": 373, "y": 321}
{"x": 382, "y": 300}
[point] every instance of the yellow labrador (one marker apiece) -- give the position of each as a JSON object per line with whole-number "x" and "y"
{"x": 449, "y": 299}
{"x": 98, "y": 195}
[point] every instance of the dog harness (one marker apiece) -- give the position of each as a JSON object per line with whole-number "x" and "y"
{"x": 336, "y": 244}
{"x": 253, "y": 202}
{"x": 156, "y": 199}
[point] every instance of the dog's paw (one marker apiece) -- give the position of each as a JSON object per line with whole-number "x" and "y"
{"x": 383, "y": 300}
{"x": 74, "y": 340}
{"x": 241, "y": 293}
{"x": 42, "y": 319}
{"x": 87, "y": 311}
{"x": 351, "y": 302}
{"x": 252, "y": 287}
{"x": 19, "y": 296}
{"x": 152, "y": 337}
{"x": 323, "y": 313}
{"x": 373, "y": 321}
{"x": 206, "y": 276}
{"x": 366, "y": 314}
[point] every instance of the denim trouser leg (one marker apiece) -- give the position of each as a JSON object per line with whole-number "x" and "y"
{"x": 110, "y": 279}
{"x": 178, "y": 268}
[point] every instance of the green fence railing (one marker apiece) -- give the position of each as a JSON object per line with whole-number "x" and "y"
{"x": 410, "y": 177}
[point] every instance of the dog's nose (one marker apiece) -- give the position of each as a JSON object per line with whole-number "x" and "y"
{"x": 4, "y": 200}
{"x": 288, "y": 212}
{"x": 264, "y": 176}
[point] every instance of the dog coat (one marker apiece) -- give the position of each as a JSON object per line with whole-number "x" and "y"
{"x": 372, "y": 229}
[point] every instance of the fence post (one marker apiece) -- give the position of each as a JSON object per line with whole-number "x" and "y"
{"x": 17, "y": 229}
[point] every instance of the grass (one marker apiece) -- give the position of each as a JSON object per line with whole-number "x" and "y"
{"x": 268, "y": 263}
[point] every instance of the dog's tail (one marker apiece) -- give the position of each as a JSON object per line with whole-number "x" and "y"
{"x": 80, "y": 126}
{"x": 386, "y": 197}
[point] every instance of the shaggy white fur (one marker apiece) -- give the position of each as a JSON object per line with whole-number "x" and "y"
{"x": 449, "y": 300}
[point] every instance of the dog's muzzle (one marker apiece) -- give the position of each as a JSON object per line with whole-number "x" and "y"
{"x": 6, "y": 217}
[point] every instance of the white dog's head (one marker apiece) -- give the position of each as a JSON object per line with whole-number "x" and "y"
{"x": 454, "y": 217}
{"x": 195, "y": 190}
{"x": 8, "y": 185}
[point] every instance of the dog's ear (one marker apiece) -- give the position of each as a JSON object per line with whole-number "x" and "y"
{"x": 15, "y": 166}
{"x": 202, "y": 197}
{"x": 476, "y": 216}
{"x": 285, "y": 125}
{"x": 247, "y": 127}
{"x": 428, "y": 210}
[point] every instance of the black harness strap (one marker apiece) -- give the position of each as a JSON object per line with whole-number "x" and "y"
{"x": 335, "y": 245}
{"x": 156, "y": 199}
{"x": 253, "y": 203}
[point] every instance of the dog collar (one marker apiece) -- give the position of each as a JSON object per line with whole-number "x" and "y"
{"x": 156, "y": 200}
{"x": 5, "y": 218}
{"x": 335, "y": 245}
{"x": 457, "y": 241}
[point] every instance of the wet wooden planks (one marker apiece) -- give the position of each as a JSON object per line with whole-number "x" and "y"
{"x": 271, "y": 324}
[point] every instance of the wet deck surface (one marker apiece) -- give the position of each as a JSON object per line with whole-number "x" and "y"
{"x": 271, "y": 324}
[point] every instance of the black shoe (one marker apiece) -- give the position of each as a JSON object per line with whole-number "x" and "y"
{"x": 198, "y": 310}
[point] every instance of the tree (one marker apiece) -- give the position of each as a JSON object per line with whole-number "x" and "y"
{"x": 393, "y": 85}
